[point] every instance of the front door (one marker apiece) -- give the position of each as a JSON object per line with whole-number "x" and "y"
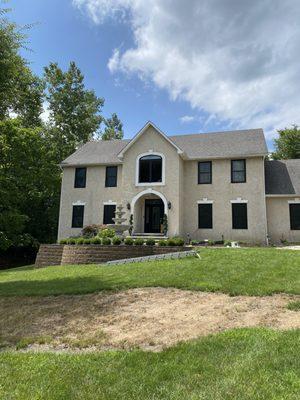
{"x": 154, "y": 213}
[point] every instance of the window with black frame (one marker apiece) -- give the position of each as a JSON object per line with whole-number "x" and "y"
{"x": 111, "y": 176}
{"x": 238, "y": 171}
{"x": 150, "y": 169}
{"x": 80, "y": 177}
{"x": 239, "y": 216}
{"x": 204, "y": 172}
{"x": 109, "y": 213}
{"x": 77, "y": 216}
{"x": 205, "y": 216}
{"x": 295, "y": 216}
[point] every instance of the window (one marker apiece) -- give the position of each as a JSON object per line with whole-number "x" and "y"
{"x": 77, "y": 217}
{"x": 204, "y": 172}
{"x": 80, "y": 178}
{"x": 238, "y": 171}
{"x": 239, "y": 216}
{"x": 150, "y": 169}
{"x": 109, "y": 214}
{"x": 295, "y": 216}
{"x": 205, "y": 216}
{"x": 111, "y": 176}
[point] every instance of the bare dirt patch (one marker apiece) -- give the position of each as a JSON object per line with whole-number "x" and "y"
{"x": 150, "y": 318}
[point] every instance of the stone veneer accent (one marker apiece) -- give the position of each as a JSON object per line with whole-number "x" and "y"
{"x": 96, "y": 254}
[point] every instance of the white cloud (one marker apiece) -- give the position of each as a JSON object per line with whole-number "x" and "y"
{"x": 236, "y": 60}
{"x": 46, "y": 112}
{"x": 187, "y": 119}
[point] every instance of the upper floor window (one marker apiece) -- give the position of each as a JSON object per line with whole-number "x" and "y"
{"x": 111, "y": 176}
{"x": 295, "y": 216}
{"x": 150, "y": 169}
{"x": 204, "y": 172}
{"x": 80, "y": 178}
{"x": 238, "y": 171}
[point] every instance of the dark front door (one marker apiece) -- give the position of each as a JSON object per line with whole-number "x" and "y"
{"x": 154, "y": 213}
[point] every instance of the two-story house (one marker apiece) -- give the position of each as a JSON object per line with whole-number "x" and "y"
{"x": 210, "y": 186}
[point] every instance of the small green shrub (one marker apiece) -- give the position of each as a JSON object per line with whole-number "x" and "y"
{"x": 80, "y": 241}
{"x": 87, "y": 241}
{"x": 227, "y": 243}
{"x": 294, "y": 305}
{"x": 194, "y": 242}
{"x": 107, "y": 232}
{"x": 150, "y": 242}
{"x": 106, "y": 241}
{"x": 210, "y": 242}
{"x": 116, "y": 241}
{"x": 63, "y": 241}
{"x": 162, "y": 242}
{"x": 128, "y": 241}
{"x": 96, "y": 240}
{"x": 90, "y": 231}
{"x": 71, "y": 241}
{"x": 139, "y": 242}
{"x": 175, "y": 241}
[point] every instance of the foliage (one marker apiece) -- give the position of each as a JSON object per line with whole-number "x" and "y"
{"x": 150, "y": 242}
{"x": 194, "y": 242}
{"x": 63, "y": 241}
{"x": 162, "y": 242}
{"x": 113, "y": 128}
{"x": 175, "y": 241}
{"x": 287, "y": 145}
{"x": 80, "y": 241}
{"x": 90, "y": 231}
{"x": 131, "y": 224}
{"x": 86, "y": 241}
{"x": 139, "y": 242}
{"x": 128, "y": 241}
{"x": 165, "y": 224}
{"x": 106, "y": 241}
{"x": 116, "y": 241}
{"x": 294, "y": 305}
{"x": 107, "y": 233}
{"x": 96, "y": 240}
{"x": 210, "y": 242}
{"x": 71, "y": 241}
{"x": 227, "y": 243}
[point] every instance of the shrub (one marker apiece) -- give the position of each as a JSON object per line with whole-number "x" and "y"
{"x": 71, "y": 241}
{"x": 96, "y": 240}
{"x": 175, "y": 241}
{"x": 116, "y": 241}
{"x": 227, "y": 243}
{"x": 128, "y": 241}
{"x": 106, "y": 241}
{"x": 162, "y": 242}
{"x": 80, "y": 241}
{"x": 90, "y": 231}
{"x": 139, "y": 242}
{"x": 210, "y": 242}
{"x": 87, "y": 241}
{"x": 194, "y": 242}
{"x": 150, "y": 242}
{"x": 63, "y": 241}
{"x": 107, "y": 233}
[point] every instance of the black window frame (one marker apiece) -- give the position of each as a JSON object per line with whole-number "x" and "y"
{"x": 111, "y": 180}
{"x": 151, "y": 167}
{"x": 202, "y": 173}
{"x": 235, "y": 208}
{"x": 75, "y": 217}
{"x": 294, "y": 220}
{"x": 77, "y": 178}
{"x": 209, "y": 221}
{"x": 107, "y": 217}
{"x": 244, "y": 170}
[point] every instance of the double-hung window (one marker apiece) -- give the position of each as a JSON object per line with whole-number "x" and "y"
{"x": 109, "y": 213}
{"x": 238, "y": 171}
{"x": 77, "y": 216}
{"x": 111, "y": 176}
{"x": 204, "y": 172}
{"x": 205, "y": 216}
{"x": 295, "y": 216}
{"x": 80, "y": 178}
{"x": 239, "y": 216}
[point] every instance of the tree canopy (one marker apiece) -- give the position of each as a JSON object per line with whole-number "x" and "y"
{"x": 113, "y": 128}
{"x": 287, "y": 145}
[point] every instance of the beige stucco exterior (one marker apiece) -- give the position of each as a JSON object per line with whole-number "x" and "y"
{"x": 181, "y": 190}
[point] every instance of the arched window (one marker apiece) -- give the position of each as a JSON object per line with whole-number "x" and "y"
{"x": 150, "y": 169}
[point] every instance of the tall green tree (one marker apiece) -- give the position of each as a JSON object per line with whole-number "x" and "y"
{"x": 75, "y": 112}
{"x": 287, "y": 145}
{"x": 21, "y": 91}
{"x": 113, "y": 128}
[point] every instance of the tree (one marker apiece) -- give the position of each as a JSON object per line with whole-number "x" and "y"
{"x": 74, "y": 110}
{"x": 287, "y": 145}
{"x": 113, "y": 128}
{"x": 21, "y": 91}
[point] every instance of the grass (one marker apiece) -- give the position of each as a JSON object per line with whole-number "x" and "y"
{"x": 235, "y": 271}
{"x": 294, "y": 306}
{"x": 244, "y": 364}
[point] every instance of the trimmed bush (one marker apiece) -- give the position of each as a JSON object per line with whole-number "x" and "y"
{"x": 150, "y": 242}
{"x": 63, "y": 241}
{"x": 162, "y": 242}
{"x": 210, "y": 242}
{"x": 96, "y": 240}
{"x": 128, "y": 241}
{"x": 80, "y": 241}
{"x": 139, "y": 242}
{"x": 227, "y": 243}
{"x": 90, "y": 231}
{"x": 194, "y": 242}
{"x": 107, "y": 233}
{"x": 106, "y": 241}
{"x": 71, "y": 241}
{"x": 116, "y": 241}
{"x": 175, "y": 241}
{"x": 87, "y": 241}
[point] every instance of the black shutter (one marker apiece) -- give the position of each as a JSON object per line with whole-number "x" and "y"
{"x": 295, "y": 216}
{"x": 80, "y": 178}
{"x": 204, "y": 172}
{"x": 239, "y": 216}
{"x": 77, "y": 216}
{"x": 205, "y": 216}
{"x": 109, "y": 214}
{"x": 111, "y": 176}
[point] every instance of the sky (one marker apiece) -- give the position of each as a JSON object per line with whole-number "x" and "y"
{"x": 187, "y": 65}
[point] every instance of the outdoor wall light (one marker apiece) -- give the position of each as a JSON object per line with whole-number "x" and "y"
{"x": 128, "y": 206}
{"x": 169, "y": 205}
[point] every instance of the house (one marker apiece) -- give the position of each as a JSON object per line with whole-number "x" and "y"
{"x": 210, "y": 186}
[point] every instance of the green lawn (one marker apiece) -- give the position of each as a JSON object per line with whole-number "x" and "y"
{"x": 235, "y": 271}
{"x": 256, "y": 364}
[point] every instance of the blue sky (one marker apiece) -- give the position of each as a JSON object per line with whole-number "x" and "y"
{"x": 209, "y": 66}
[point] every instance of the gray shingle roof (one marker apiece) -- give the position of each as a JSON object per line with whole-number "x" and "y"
{"x": 282, "y": 177}
{"x": 196, "y": 146}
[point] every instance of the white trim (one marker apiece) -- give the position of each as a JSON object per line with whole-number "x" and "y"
{"x": 238, "y": 200}
{"x": 280, "y": 195}
{"x": 295, "y": 201}
{"x": 109, "y": 203}
{"x": 78, "y": 203}
{"x": 163, "y": 168}
{"x": 205, "y": 201}
{"x": 145, "y": 127}
{"x": 149, "y": 191}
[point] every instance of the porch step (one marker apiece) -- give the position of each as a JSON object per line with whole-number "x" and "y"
{"x": 156, "y": 236}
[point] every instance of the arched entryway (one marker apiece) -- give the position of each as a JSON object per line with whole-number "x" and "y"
{"x": 148, "y": 209}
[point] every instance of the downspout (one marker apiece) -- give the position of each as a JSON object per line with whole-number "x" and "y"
{"x": 265, "y": 203}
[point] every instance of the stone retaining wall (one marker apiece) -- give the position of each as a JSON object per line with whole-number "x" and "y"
{"x": 96, "y": 254}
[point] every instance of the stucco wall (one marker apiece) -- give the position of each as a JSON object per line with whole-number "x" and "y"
{"x": 278, "y": 216}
